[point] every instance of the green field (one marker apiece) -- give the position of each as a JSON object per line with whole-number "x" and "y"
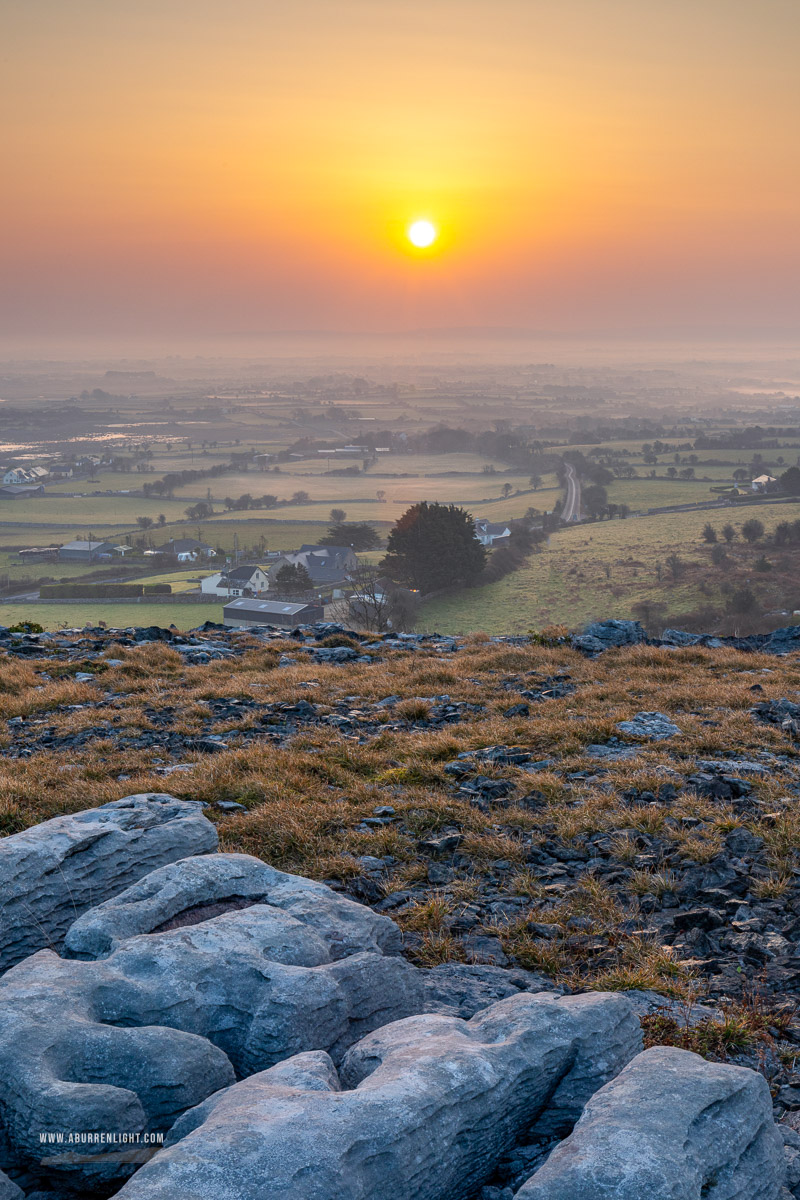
{"x": 60, "y": 616}
{"x": 592, "y": 571}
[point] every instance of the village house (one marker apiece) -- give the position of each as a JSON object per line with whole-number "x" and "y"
{"x": 249, "y": 579}
{"x": 489, "y": 532}
{"x": 32, "y": 476}
{"x": 325, "y": 564}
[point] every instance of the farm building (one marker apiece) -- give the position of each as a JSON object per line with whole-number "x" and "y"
{"x": 764, "y": 483}
{"x": 12, "y": 491}
{"x": 249, "y": 613}
{"x": 82, "y": 551}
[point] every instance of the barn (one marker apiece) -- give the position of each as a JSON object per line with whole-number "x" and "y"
{"x": 248, "y": 613}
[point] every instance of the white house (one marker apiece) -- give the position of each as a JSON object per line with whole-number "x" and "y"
{"x": 762, "y": 483}
{"x": 22, "y": 475}
{"x": 248, "y": 578}
{"x": 212, "y": 585}
{"x": 488, "y": 532}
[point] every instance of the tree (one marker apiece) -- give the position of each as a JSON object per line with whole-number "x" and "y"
{"x": 162, "y": 520}
{"x": 199, "y": 511}
{"x": 709, "y": 533}
{"x": 649, "y": 612}
{"x": 292, "y": 579}
{"x": 594, "y": 499}
{"x": 507, "y": 489}
{"x": 672, "y": 472}
{"x": 687, "y": 473}
{"x": 675, "y": 565}
{"x": 718, "y": 556}
{"x": 434, "y": 546}
{"x": 359, "y": 535}
{"x": 790, "y": 481}
{"x": 338, "y": 515}
{"x": 300, "y": 498}
{"x": 752, "y": 530}
{"x": 381, "y": 494}
{"x": 144, "y": 522}
{"x": 535, "y": 481}
{"x": 728, "y": 532}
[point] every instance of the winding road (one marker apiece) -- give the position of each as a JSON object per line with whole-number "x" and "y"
{"x": 572, "y": 505}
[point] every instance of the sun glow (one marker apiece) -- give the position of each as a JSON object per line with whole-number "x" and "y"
{"x": 422, "y": 234}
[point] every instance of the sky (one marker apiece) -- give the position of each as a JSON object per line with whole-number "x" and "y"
{"x": 210, "y": 167}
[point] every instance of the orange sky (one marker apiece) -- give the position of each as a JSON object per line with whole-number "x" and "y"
{"x": 200, "y": 166}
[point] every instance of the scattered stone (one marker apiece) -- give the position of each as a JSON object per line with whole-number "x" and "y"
{"x": 654, "y": 726}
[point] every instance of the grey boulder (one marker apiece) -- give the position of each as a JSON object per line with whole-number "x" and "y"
{"x": 199, "y": 888}
{"x": 603, "y": 635}
{"x": 671, "y": 1126}
{"x": 53, "y": 872}
{"x": 428, "y": 1107}
{"x": 131, "y": 1041}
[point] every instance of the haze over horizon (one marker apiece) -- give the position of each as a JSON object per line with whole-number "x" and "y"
{"x": 619, "y": 167}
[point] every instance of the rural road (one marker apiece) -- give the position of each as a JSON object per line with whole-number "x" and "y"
{"x": 572, "y": 505}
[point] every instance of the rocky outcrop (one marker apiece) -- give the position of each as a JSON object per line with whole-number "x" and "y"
{"x": 671, "y": 1126}
{"x": 199, "y": 888}
{"x": 131, "y": 1041}
{"x": 432, "y": 1102}
{"x": 55, "y": 871}
{"x": 603, "y": 635}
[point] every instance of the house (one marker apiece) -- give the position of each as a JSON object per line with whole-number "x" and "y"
{"x": 763, "y": 483}
{"x": 248, "y": 613}
{"x": 213, "y": 585}
{"x": 84, "y": 551}
{"x": 488, "y": 532}
{"x": 247, "y": 578}
{"x": 325, "y": 564}
{"x": 25, "y": 475}
{"x": 186, "y": 549}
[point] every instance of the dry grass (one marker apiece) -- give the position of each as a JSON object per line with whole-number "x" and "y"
{"x": 306, "y": 797}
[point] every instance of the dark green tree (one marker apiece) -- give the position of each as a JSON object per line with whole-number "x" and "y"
{"x": 752, "y": 530}
{"x": 359, "y": 535}
{"x": 292, "y": 580}
{"x": 790, "y": 481}
{"x": 434, "y": 546}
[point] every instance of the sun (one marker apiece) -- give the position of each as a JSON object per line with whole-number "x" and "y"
{"x": 422, "y": 234}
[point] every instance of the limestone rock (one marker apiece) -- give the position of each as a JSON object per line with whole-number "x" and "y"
{"x": 602, "y": 635}
{"x": 671, "y": 1126}
{"x": 133, "y": 1040}
{"x": 432, "y": 1103}
{"x": 53, "y": 872}
{"x": 196, "y": 889}
{"x": 9, "y": 1190}
{"x": 655, "y": 726}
